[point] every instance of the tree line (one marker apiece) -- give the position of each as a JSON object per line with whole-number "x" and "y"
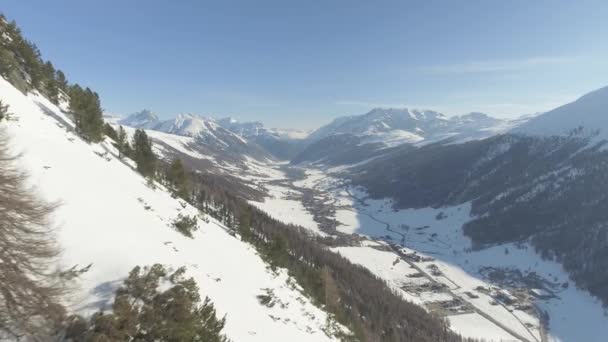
{"x": 22, "y": 65}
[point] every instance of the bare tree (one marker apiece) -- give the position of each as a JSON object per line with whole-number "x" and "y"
{"x": 29, "y": 292}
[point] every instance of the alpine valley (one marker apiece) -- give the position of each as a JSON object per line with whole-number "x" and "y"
{"x": 394, "y": 225}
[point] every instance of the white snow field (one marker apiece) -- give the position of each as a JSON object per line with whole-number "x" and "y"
{"x": 280, "y": 207}
{"x": 113, "y": 220}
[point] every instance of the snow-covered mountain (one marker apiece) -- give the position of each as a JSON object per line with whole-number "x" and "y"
{"x": 414, "y": 126}
{"x": 352, "y": 139}
{"x": 281, "y": 143}
{"x": 256, "y": 129}
{"x": 144, "y": 119}
{"x": 587, "y": 116}
{"x": 380, "y": 120}
{"x": 206, "y": 136}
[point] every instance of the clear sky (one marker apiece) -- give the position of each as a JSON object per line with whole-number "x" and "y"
{"x": 299, "y": 64}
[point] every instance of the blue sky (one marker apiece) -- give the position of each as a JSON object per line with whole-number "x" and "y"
{"x": 299, "y": 64}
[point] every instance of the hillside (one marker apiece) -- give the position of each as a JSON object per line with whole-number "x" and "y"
{"x": 545, "y": 184}
{"x": 112, "y": 219}
{"x": 587, "y": 115}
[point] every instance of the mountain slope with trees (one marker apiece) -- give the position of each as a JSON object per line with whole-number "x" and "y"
{"x": 548, "y": 189}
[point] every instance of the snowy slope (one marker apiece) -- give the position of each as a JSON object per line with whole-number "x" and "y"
{"x": 589, "y": 112}
{"x": 112, "y": 219}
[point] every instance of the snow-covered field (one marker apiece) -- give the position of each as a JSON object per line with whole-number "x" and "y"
{"x": 111, "y": 219}
{"x": 280, "y": 206}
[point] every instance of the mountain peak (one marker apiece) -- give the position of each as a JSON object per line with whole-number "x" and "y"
{"x": 145, "y": 119}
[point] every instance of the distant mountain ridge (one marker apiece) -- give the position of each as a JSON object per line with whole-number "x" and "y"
{"x": 352, "y": 139}
{"x": 347, "y": 139}
{"x": 281, "y": 144}
{"x": 427, "y": 124}
{"x": 208, "y": 136}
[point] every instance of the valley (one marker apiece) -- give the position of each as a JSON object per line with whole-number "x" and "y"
{"x": 503, "y": 293}
{"x": 334, "y": 172}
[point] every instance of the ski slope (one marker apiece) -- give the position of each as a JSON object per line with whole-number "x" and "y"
{"x": 113, "y": 219}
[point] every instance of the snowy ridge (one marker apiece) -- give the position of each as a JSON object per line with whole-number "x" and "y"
{"x": 587, "y": 116}
{"x": 113, "y": 220}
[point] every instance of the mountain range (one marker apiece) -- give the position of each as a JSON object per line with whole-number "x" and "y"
{"x": 358, "y": 135}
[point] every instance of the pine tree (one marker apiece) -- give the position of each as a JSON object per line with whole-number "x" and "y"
{"x": 52, "y": 90}
{"x": 122, "y": 144}
{"x": 110, "y": 132}
{"x": 3, "y": 111}
{"x": 145, "y": 311}
{"x": 62, "y": 81}
{"x": 143, "y": 154}
{"x": 88, "y": 116}
{"x": 177, "y": 178}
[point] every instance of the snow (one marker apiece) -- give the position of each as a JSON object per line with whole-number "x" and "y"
{"x": 393, "y": 127}
{"x": 290, "y": 134}
{"x": 112, "y": 219}
{"x": 290, "y": 211}
{"x": 393, "y": 138}
{"x": 589, "y": 112}
{"x": 177, "y": 142}
{"x": 474, "y": 325}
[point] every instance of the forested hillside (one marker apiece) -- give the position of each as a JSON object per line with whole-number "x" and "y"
{"x": 549, "y": 190}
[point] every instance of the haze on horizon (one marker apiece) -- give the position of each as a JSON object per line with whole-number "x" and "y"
{"x": 298, "y": 65}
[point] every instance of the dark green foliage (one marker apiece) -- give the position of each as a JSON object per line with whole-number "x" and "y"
{"x": 142, "y": 312}
{"x": 50, "y": 83}
{"x": 143, "y": 154}
{"x": 3, "y": 111}
{"x": 186, "y": 224}
{"x": 122, "y": 143}
{"x": 88, "y": 116}
{"x": 62, "y": 81}
{"x": 110, "y": 131}
{"x": 22, "y": 64}
{"x": 177, "y": 178}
